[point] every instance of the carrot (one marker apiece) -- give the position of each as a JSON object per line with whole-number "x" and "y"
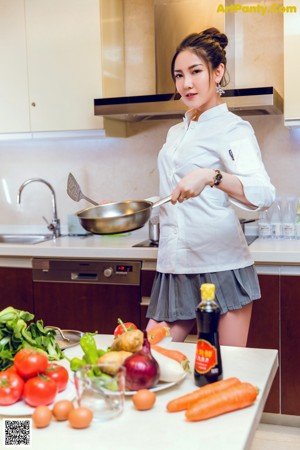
{"x": 231, "y": 399}
{"x": 186, "y": 400}
{"x": 174, "y": 354}
{"x": 157, "y": 334}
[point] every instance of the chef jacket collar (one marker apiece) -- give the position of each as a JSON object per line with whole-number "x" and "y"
{"x": 211, "y": 113}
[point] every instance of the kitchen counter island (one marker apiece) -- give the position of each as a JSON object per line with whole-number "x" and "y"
{"x": 158, "y": 429}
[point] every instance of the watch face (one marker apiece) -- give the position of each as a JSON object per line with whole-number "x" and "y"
{"x": 218, "y": 178}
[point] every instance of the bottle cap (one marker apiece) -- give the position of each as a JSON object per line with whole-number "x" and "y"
{"x": 208, "y": 291}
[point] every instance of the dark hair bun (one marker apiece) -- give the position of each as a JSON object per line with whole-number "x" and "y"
{"x": 215, "y": 34}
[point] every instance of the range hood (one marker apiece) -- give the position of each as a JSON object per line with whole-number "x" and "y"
{"x": 244, "y": 102}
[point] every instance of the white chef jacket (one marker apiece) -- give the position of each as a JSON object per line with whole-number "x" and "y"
{"x": 203, "y": 234}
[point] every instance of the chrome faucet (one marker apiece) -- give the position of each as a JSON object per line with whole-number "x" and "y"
{"x": 54, "y": 226}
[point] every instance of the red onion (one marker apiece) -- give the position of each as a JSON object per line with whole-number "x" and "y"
{"x": 142, "y": 370}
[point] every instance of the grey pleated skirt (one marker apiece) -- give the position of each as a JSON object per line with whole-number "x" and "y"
{"x": 175, "y": 297}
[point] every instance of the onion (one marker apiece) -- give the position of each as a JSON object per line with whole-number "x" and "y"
{"x": 142, "y": 370}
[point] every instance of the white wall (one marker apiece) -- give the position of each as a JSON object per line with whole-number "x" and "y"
{"x": 117, "y": 168}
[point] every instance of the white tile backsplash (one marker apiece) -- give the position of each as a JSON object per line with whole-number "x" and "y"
{"x": 116, "y": 168}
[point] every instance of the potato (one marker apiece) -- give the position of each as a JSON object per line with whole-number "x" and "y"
{"x": 113, "y": 357}
{"x": 130, "y": 341}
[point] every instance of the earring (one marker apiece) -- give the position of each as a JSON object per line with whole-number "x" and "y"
{"x": 219, "y": 89}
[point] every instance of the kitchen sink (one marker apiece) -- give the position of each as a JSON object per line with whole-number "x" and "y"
{"x": 24, "y": 238}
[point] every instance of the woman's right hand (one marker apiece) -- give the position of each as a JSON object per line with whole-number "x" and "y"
{"x": 192, "y": 184}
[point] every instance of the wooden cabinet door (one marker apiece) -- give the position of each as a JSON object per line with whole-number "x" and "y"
{"x": 50, "y": 65}
{"x": 63, "y": 39}
{"x": 264, "y": 329}
{"x": 86, "y": 307}
{"x": 16, "y": 288}
{"x": 64, "y": 54}
{"x": 14, "y": 112}
{"x": 290, "y": 344}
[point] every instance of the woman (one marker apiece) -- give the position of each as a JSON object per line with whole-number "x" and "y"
{"x": 209, "y": 162}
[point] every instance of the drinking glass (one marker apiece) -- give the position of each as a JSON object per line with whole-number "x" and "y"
{"x": 103, "y": 394}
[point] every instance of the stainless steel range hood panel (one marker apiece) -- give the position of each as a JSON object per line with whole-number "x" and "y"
{"x": 254, "y": 101}
{"x": 142, "y": 107}
{"x": 244, "y": 102}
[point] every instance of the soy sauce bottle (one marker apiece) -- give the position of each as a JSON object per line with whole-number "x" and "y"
{"x": 208, "y": 364}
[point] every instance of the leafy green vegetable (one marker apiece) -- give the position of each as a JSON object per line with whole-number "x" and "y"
{"x": 15, "y": 334}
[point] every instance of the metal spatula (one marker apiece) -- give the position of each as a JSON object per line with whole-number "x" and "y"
{"x": 74, "y": 191}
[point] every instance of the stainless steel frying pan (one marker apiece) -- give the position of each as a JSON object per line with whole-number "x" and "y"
{"x": 118, "y": 217}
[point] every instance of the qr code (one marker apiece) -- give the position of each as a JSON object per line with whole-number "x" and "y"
{"x": 17, "y": 432}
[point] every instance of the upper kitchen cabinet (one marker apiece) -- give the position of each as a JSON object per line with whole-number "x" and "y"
{"x": 14, "y": 107}
{"x": 51, "y": 53}
{"x": 291, "y": 63}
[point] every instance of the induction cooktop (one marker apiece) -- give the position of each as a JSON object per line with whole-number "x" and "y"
{"x": 146, "y": 243}
{"x": 149, "y": 243}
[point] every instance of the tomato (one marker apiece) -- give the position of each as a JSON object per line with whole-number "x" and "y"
{"x": 40, "y": 390}
{"x": 30, "y": 362}
{"x": 120, "y": 328}
{"x": 11, "y": 387}
{"x": 11, "y": 369}
{"x": 59, "y": 374}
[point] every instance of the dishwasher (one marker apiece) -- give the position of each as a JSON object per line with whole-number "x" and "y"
{"x": 87, "y": 295}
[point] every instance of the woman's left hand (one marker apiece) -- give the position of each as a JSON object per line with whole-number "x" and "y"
{"x": 192, "y": 184}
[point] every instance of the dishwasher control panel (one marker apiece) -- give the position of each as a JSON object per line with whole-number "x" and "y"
{"x": 86, "y": 271}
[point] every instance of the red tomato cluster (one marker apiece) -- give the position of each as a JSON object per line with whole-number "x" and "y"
{"x": 33, "y": 378}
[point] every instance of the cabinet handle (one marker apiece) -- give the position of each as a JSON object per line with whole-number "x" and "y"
{"x": 77, "y": 276}
{"x": 33, "y": 104}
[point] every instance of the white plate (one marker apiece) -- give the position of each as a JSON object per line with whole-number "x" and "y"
{"x": 22, "y": 409}
{"x": 160, "y": 386}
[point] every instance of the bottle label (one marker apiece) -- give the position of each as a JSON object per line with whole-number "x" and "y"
{"x": 206, "y": 356}
{"x": 264, "y": 230}
{"x": 289, "y": 229}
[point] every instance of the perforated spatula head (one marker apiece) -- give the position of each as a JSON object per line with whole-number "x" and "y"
{"x": 74, "y": 191}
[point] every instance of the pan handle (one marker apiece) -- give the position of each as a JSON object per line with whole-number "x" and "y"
{"x": 161, "y": 201}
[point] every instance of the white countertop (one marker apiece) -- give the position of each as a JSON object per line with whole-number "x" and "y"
{"x": 264, "y": 251}
{"x": 90, "y": 246}
{"x": 277, "y": 251}
{"x": 158, "y": 429}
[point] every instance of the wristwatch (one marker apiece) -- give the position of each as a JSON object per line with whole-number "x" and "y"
{"x": 217, "y": 178}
